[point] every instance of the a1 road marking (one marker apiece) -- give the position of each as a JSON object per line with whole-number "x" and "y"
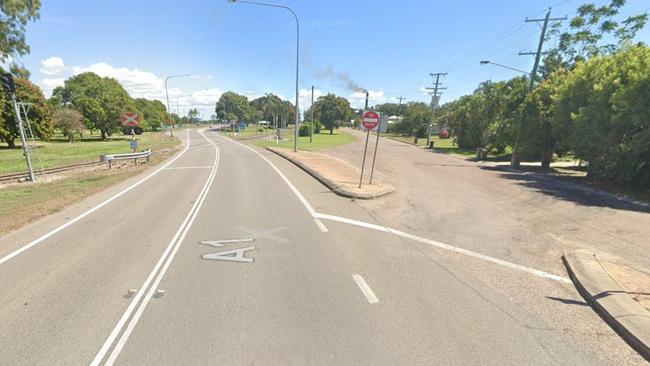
{"x": 266, "y": 233}
{"x": 234, "y": 255}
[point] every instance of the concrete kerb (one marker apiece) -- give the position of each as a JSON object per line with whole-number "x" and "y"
{"x": 627, "y": 317}
{"x": 333, "y": 186}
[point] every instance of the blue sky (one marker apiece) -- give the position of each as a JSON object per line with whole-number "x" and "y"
{"x": 387, "y": 47}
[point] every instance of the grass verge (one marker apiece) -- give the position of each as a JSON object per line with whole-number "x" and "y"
{"x": 320, "y": 141}
{"x": 23, "y": 203}
{"x": 59, "y": 152}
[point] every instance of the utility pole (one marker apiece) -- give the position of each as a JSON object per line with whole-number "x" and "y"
{"x": 399, "y": 107}
{"x": 435, "y": 97}
{"x": 8, "y": 85}
{"x": 515, "y": 161}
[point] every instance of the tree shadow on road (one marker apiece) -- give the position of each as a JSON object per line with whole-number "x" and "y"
{"x": 569, "y": 191}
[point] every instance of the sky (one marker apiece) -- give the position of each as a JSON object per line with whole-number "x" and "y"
{"x": 386, "y": 47}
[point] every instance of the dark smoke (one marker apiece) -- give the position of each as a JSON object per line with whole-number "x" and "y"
{"x": 340, "y": 78}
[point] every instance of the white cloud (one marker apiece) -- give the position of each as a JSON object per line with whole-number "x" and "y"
{"x": 358, "y": 99}
{"x": 53, "y": 82}
{"x": 304, "y": 98}
{"x": 139, "y": 84}
{"x": 52, "y": 66}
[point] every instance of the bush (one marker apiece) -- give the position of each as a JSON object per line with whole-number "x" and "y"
{"x": 303, "y": 130}
{"x": 260, "y": 129}
{"x": 421, "y": 132}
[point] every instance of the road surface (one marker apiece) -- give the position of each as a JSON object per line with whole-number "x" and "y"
{"x": 225, "y": 255}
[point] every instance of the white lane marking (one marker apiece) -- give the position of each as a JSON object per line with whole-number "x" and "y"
{"x": 189, "y": 167}
{"x": 320, "y": 225}
{"x": 449, "y": 247}
{"x": 363, "y": 286}
{"x": 164, "y": 261}
{"x": 80, "y": 217}
{"x": 295, "y": 190}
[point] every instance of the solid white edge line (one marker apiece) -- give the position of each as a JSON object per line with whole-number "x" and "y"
{"x": 295, "y": 190}
{"x": 180, "y": 232}
{"x": 365, "y": 289}
{"x": 109, "y": 200}
{"x": 448, "y": 247}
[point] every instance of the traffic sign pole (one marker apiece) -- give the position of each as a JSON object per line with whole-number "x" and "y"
{"x": 369, "y": 120}
{"x": 374, "y": 156}
{"x": 365, "y": 149}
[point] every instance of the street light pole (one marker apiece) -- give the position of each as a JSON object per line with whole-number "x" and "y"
{"x": 169, "y": 111}
{"x": 295, "y": 127}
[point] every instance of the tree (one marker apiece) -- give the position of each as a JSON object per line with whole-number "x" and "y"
{"x": 416, "y": 119}
{"x": 594, "y": 31}
{"x": 152, "y": 112}
{"x": 234, "y": 107}
{"x": 100, "y": 100}
{"x": 331, "y": 111}
{"x": 69, "y": 121}
{"x": 606, "y": 102}
{"x": 15, "y": 15}
{"x": 38, "y": 116}
{"x": 270, "y": 106}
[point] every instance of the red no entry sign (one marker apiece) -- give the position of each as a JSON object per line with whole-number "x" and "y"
{"x": 370, "y": 119}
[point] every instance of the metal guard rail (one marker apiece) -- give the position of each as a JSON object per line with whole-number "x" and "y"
{"x": 134, "y": 156}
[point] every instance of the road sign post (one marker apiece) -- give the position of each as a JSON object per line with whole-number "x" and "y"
{"x": 369, "y": 120}
{"x": 382, "y": 127}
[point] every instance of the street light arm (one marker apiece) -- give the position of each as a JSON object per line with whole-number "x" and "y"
{"x": 295, "y": 16}
{"x": 504, "y": 66}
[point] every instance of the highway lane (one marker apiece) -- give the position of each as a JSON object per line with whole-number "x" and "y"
{"x": 345, "y": 296}
{"x": 61, "y": 297}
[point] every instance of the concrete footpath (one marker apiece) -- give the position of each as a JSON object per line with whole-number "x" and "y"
{"x": 338, "y": 175}
{"x": 618, "y": 290}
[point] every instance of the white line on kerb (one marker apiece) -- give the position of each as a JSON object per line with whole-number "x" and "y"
{"x": 449, "y": 247}
{"x": 156, "y": 276}
{"x": 109, "y": 200}
{"x": 295, "y": 190}
{"x": 363, "y": 286}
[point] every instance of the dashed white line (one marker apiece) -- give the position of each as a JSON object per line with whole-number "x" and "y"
{"x": 365, "y": 289}
{"x": 449, "y": 247}
{"x": 90, "y": 211}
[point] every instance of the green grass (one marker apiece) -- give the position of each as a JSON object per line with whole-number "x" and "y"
{"x": 447, "y": 146}
{"x": 23, "y": 203}
{"x": 320, "y": 141}
{"x": 59, "y": 152}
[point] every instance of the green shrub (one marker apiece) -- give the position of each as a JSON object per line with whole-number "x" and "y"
{"x": 303, "y": 130}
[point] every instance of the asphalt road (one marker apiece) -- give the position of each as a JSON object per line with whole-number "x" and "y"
{"x": 305, "y": 278}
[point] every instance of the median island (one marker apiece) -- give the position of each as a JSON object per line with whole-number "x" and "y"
{"x": 340, "y": 176}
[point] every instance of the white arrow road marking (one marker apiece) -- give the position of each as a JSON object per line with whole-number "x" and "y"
{"x": 234, "y": 255}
